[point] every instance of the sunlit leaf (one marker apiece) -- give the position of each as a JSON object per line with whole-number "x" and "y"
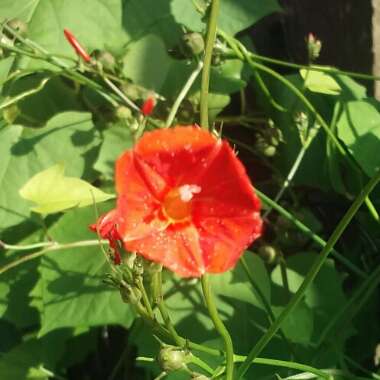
{"x": 53, "y": 192}
{"x": 317, "y": 81}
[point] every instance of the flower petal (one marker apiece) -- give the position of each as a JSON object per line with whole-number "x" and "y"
{"x": 223, "y": 240}
{"x": 177, "y": 248}
{"x": 138, "y": 204}
{"x": 175, "y": 152}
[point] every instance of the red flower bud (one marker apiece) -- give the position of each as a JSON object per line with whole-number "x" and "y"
{"x": 76, "y": 45}
{"x": 148, "y": 106}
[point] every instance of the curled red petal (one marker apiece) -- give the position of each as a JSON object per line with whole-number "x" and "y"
{"x": 76, "y": 45}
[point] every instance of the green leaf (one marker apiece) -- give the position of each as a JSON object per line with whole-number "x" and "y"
{"x": 142, "y": 17}
{"x": 238, "y": 15}
{"x": 21, "y": 9}
{"x": 53, "y": 192}
{"x": 234, "y": 16}
{"x": 117, "y": 139}
{"x": 138, "y": 64}
{"x": 299, "y": 325}
{"x": 34, "y": 358}
{"x": 328, "y": 282}
{"x": 68, "y": 137}
{"x": 73, "y": 293}
{"x": 317, "y": 81}
{"x": 359, "y": 128}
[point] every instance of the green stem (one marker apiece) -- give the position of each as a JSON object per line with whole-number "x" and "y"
{"x": 182, "y": 94}
{"x": 210, "y": 40}
{"x": 289, "y": 178}
{"x": 145, "y": 298}
{"x": 201, "y": 364}
{"x": 27, "y": 247}
{"x": 307, "y": 231}
{"x": 219, "y": 326}
{"x": 159, "y": 300}
{"x": 50, "y": 248}
{"x": 292, "y": 365}
{"x": 310, "y": 276}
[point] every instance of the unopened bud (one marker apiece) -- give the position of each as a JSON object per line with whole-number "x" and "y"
{"x": 172, "y": 358}
{"x": 314, "y": 47}
{"x": 19, "y": 26}
{"x": 198, "y": 376}
{"x": 123, "y": 112}
{"x": 268, "y": 253}
{"x": 194, "y": 43}
{"x": 106, "y": 59}
{"x": 11, "y": 113}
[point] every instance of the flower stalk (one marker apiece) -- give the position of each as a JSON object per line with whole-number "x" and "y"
{"x": 210, "y": 40}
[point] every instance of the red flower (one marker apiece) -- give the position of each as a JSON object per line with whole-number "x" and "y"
{"x": 184, "y": 200}
{"x": 107, "y": 229}
{"x": 148, "y": 106}
{"x": 76, "y": 45}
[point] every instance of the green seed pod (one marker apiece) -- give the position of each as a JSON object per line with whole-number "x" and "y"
{"x": 106, "y": 59}
{"x": 194, "y": 43}
{"x": 19, "y": 26}
{"x": 268, "y": 253}
{"x": 123, "y": 112}
{"x": 172, "y": 358}
{"x": 198, "y": 376}
{"x": 11, "y": 113}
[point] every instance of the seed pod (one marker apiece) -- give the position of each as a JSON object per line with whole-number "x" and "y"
{"x": 194, "y": 43}
{"x": 172, "y": 358}
{"x": 268, "y": 253}
{"x": 106, "y": 59}
{"x": 19, "y": 26}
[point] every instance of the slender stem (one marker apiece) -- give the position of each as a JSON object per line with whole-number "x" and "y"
{"x": 307, "y": 231}
{"x": 145, "y": 298}
{"x": 286, "y": 364}
{"x": 210, "y": 40}
{"x": 183, "y": 93}
{"x": 26, "y": 247}
{"x": 264, "y": 340}
{"x": 219, "y": 326}
{"x": 122, "y": 96}
{"x": 201, "y": 364}
{"x": 159, "y": 300}
{"x": 50, "y": 248}
{"x": 289, "y": 178}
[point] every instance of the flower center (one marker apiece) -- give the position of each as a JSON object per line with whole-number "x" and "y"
{"x": 177, "y": 203}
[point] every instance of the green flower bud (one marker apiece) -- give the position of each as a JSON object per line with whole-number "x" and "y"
{"x": 106, "y": 59}
{"x": 172, "y": 358}
{"x": 268, "y": 253}
{"x": 314, "y": 47}
{"x": 19, "y": 26}
{"x": 123, "y": 112}
{"x": 11, "y": 113}
{"x": 194, "y": 43}
{"x": 198, "y": 376}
